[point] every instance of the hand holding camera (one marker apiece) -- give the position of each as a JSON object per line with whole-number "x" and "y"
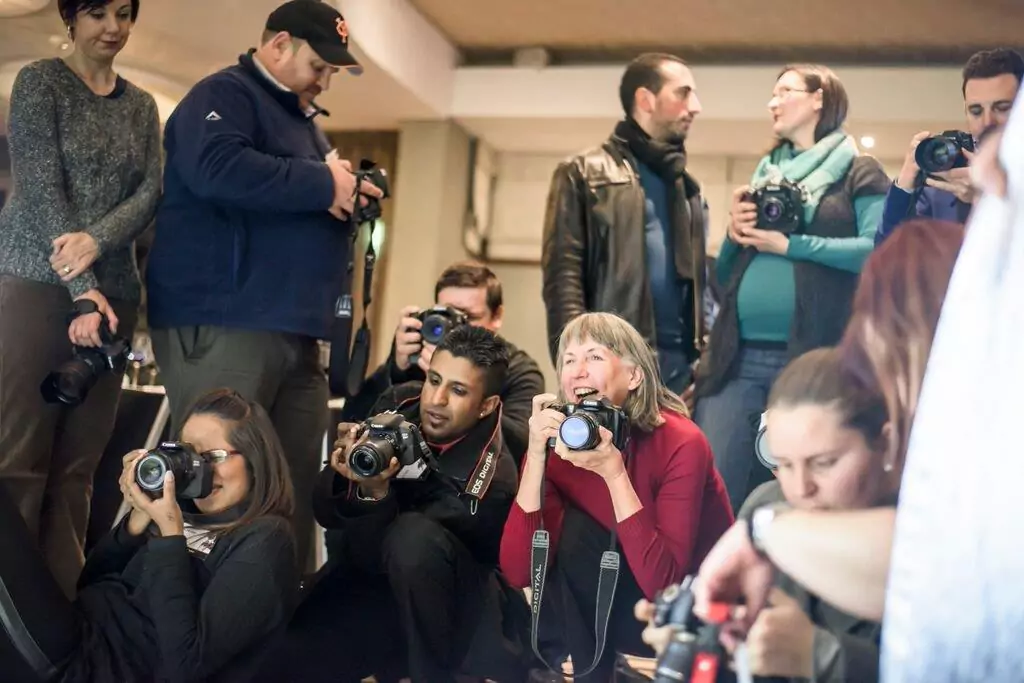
{"x": 419, "y": 333}
{"x": 781, "y": 641}
{"x": 771, "y": 209}
{"x": 408, "y": 340}
{"x": 544, "y": 424}
{"x": 943, "y": 159}
{"x": 345, "y": 181}
{"x": 374, "y": 486}
{"x": 84, "y": 330}
{"x": 163, "y": 510}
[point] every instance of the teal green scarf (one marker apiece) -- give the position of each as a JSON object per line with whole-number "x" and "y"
{"x": 814, "y": 170}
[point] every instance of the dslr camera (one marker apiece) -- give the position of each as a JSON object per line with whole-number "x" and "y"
{"x": 579, "y": 430}
{"x": 71, "y": 381}
{"x": 193, "y": 474}
{"x": 386, "y": 436}
{"x": 780, "y": 206}
{"x": 438, "y": 321}
{"x": 694, "y": 653}
{"x": 370, "y": 172}
{"x": 943, "y": 152}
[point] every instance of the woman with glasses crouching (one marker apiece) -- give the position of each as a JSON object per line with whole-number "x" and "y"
{"x": 183, "y": 588}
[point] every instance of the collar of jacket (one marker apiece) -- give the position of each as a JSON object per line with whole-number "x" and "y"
{"x": 287, "y": 99}
{"x": 473, "y": 459}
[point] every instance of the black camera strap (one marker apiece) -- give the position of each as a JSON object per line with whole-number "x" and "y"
{"x": 607, "y": 581}
{"x": 349, "y": 360}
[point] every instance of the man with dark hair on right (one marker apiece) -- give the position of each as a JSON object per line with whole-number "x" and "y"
{"x": 991, "y": 79}
{"x": 412, "y": 587}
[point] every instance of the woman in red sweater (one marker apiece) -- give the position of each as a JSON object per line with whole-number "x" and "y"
{"x": 659, "y": 502}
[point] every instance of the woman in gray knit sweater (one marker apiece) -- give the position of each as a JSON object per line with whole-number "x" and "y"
{"x": 85, "y": 152}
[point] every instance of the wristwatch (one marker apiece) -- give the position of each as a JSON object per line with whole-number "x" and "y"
{"x": 760, "y": 521}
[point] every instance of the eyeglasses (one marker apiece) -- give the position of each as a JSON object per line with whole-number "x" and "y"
{"x": 784, "y": 93}
{"x": 218, "y": 455}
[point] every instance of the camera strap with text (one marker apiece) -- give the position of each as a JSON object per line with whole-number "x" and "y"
{"x": 349, "y": 360}
{"x": 607, "y": 581}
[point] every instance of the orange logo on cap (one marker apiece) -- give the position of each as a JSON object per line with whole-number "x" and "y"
{"x": 341, "y": 28}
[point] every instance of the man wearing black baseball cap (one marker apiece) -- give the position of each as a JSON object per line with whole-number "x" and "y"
{"x": 320, "y": 25}
{"x": 252, "y": 237}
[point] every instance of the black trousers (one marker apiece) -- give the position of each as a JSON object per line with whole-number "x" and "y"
{"x": 570, "y": 602}
{"x": 39, "y": 630}
{"x": 434, "y": 613}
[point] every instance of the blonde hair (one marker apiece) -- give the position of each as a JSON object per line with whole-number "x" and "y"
{"x": 645, "y": 403}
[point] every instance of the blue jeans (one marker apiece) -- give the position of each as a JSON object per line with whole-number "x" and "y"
{"x": 730, "y": 419}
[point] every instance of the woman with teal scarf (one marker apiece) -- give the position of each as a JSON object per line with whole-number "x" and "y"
{"x": 785, "y": 294}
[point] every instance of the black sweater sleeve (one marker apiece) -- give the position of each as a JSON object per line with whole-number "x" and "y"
{"x": 249, "y": 596}
{"x": 112, "y": 554}
{"x": 524, "y": 382}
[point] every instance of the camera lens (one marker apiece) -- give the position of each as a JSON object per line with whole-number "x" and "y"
{"x": 579, "y": 432}
{"x": 367, "y": 461}
{"x": 70, "y": 383}
{"x": 150, "y": 472}
{"x": 773, "y": 209}
{"x": 937, "y": 154}
{"x": 435, "y": 327}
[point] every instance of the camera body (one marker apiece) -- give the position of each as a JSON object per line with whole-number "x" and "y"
{"x": 69, "y": 383}
{"x": 780, "y": 206}
{"x": 386, "y": 436}
{"x": 579, "y": 430}
{"x": 438, "y": 321}
{"x": 370, "y": 172}
{"x": 193, "y": 474}
{"x": 943, "y": 152}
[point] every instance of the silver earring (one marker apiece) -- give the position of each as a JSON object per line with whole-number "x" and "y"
{"x": 887, "y": 466}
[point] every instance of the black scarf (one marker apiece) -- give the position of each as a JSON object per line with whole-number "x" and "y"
{"x": 668, "y": 160}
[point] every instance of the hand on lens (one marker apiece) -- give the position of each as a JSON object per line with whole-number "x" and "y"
{"x": 605, "y": 460}
{"x": 374, "y": 487}
{"x": 658, "y": 637}
{"x": 84, "y": 330}
{"x": 956, "y": 181}
{"x": 907, "y": 177}
{"x": 544, "y": 424}
{"x": 73, "y": 254}
{"x": 742, "y": 214}
{"x": 164, "y": 511}
{"x": 426, "y": 354}
{"x": 408, "y": 340}
{"x": 138, "y": 520}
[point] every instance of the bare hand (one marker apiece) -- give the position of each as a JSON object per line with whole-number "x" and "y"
{"x": 345, "y": 188}
{"x": 605, "y": 461}
{"x": 375, "y": 487}
{"x": 658, "y": 637}
{"x": 765, "y": 241}
{"x": 734, "y": 573}
{"x": 781, "y": 641}
{"x": 544, "y": 424}
{"x": 426, "y": 354}
{"x": 908, "y": 173}
{"x": 85, "y": 329}
{"x": 138, "y": 520}
{"x": 742, "y": 214}
{"x": 408, "y": 340}
{"x": 73, "y": 254}
{"x": 956, "y": 181}
{"x": 164, "y": 511}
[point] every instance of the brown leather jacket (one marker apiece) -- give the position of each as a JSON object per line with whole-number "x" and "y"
{"x": 594, "y": 251}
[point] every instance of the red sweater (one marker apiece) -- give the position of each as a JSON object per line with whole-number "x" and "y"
{"x": 685, "y": 507}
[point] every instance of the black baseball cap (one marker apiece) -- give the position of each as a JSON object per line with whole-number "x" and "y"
{"x": 320, "y": 25}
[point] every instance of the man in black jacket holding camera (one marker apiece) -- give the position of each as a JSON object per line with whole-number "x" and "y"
{"x": 412, "y": 587}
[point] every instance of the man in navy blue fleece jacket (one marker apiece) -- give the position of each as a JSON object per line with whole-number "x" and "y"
{"x": 252, "y": 238}
{"x": 991, "y": 79}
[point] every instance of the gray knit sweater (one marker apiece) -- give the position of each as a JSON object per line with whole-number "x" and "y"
{"x": 81, "y": 162}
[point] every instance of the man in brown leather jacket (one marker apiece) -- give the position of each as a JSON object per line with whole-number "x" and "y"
{"x": 626, "y": 225}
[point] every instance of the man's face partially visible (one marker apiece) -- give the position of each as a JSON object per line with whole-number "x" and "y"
{"x": 300, "y": 69}
{"x": 473, "y": 302}
{"x": 452, "y": 400}
{"x": 988, "y": 101}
